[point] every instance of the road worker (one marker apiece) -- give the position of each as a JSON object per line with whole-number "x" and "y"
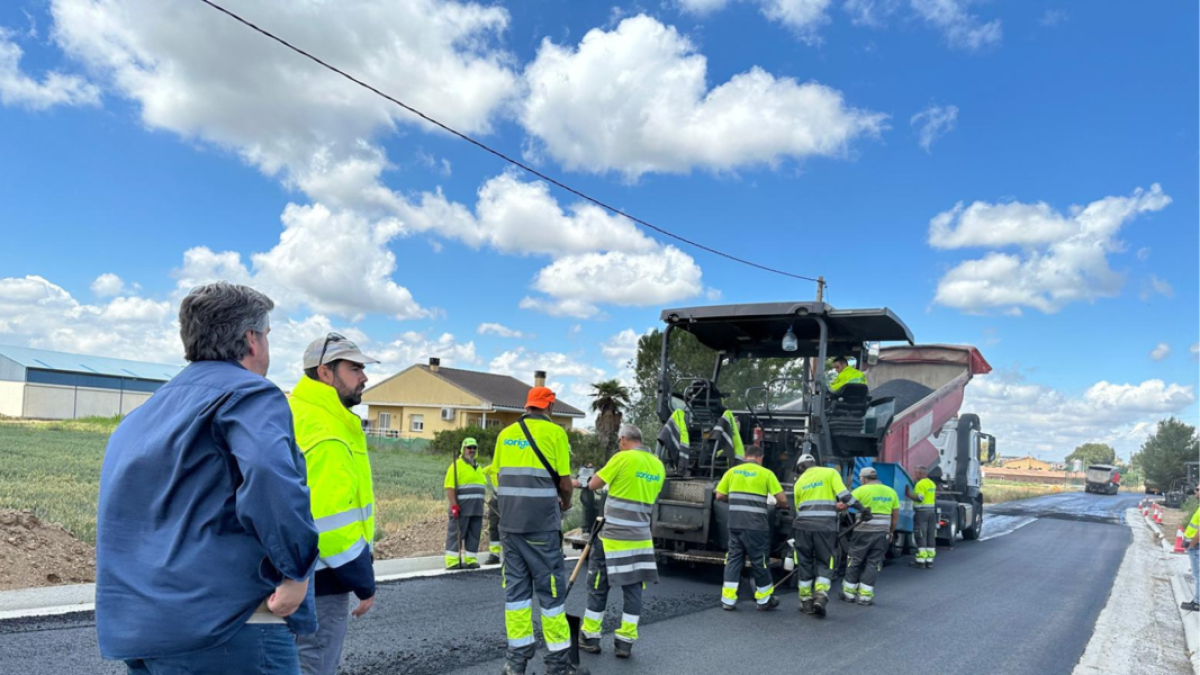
{"x": 343, "y": 499}
{"x": 820, "y": 495}
{"x": 533, "y": 467}
{"x": 870, "y": 539}
{"x": 925, "y": 521}
{"x": 1192, "y": 537}
{"x": 493, "y": 516}
{"x": 748, "y": 488}
{"x": 623, "y": 554}
{"x": 846, "y": 374}
{"x": 465, "y": 490}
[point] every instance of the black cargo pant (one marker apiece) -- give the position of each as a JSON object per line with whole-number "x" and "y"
{"x": 814, "y": 553}
{"x": 753, "y": 546}
{"x": 867, "y": 551}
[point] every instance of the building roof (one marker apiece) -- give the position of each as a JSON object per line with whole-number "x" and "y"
{"x": 94, "y": 365}
{"x": 502, "y": 391}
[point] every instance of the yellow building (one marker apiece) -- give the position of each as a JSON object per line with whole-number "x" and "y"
{"x": 422, "y": 400}
{"x": 1028, "y": 463}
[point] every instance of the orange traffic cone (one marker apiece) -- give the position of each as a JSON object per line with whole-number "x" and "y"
{"x": 1179, "y": 541}
{"x": 1158, "y": 517}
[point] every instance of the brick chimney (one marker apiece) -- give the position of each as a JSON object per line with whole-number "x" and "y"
{"x": 434, "y": 364}
{"x": 539, "y": 378}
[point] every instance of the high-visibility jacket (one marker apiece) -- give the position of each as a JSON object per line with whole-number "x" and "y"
{"x": 927, "y": 491}
{"x": 817, "y": 491}
{"x": 339, "y": 472}
{"x": 471, "y": 487}
{"x": 634, "y": 478}
{"x": 728, "y": 436}
{"x": 673, "y": 440}
{"x": 747, "y": 486}
{"x": 881, "y": 500}
{"x": 528, "y": 495}
{"x": 849, "y": 375}
{"x": 1193, "y": 525}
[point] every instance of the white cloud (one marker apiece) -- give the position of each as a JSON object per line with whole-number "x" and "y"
{"x": 521, "y": 364}
{"x": 872, "y": 13}
{"x": 621, "y": 347}
{"x": 503, "y": 331}
{"x": 1155, "y": 286}
{"x": 1194, "y": 350}
{"x": 20, "y": 90}
{"x": 618, "y": 278}
{"x": 702, "y": 7}
{"x": 1052, "y": 17}
{"x": 803, "y": 17}
{"x": 413, "y": 347}
{"x": 962, "y": 29}
{"x": 574, "y": 309}
{"x": 1064, "y": 257}
{"x": 1161, "y": 351}
{"x": 1143, "y": 253}
{"x": 1028, "y": 418}
{"x": 934, "y": 122}
{"x": 635, "y": 100}
{"x": 107, "y": 285}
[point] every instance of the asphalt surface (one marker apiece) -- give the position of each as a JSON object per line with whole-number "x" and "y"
{"x": 1022, "y": 601}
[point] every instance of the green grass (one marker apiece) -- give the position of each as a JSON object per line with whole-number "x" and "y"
{"x": 53, "y": 469}
{"x": 999, "y": 491}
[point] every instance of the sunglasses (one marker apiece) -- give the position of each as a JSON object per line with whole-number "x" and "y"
{"x": 332, "y": 337}
{"x": 471, "y": 447}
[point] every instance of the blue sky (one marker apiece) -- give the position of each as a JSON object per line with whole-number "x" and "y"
{"x": 925, "y": 155}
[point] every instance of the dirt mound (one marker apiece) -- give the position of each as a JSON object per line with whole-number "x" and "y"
{"x": 33, "y": 553}
{"x": 419, "y": 539}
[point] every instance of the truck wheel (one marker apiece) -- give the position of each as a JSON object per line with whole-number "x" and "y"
{"x": 971, "y": 533}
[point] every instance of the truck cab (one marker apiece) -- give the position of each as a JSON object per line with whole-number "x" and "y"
{"x": 1102, "y": 479}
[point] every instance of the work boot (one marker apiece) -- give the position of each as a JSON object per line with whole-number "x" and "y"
{"x": 471, "y": 566}
{"x": 865, "y": 601}
{"x": 916, "y": 563}
{"x": 511, "y": 668}
{"x": 819, "y": 605}
{"x": 806, "y": 606}
{"x": 728, "y": 608}
{"x": 771, "y": 603}
{"x": 567, "y": 669}
{"x": 492, "y": 559}
{"x": 455, "y": 566}
{"x": 589, "y": 645}
{"x": 623, "y": 648}
{"x": 848, "y": 597}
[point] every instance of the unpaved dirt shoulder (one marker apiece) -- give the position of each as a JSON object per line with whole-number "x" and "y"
{"x": 34, "y": 553}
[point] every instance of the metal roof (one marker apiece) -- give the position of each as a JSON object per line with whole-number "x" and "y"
{"x": 756, "y": 330}
{"x": 41, "y": 359}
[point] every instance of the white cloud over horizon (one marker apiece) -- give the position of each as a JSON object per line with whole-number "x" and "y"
{"x": 18, "y": 89}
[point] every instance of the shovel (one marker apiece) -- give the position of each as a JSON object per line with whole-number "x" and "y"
{"x": 575, "y": 622}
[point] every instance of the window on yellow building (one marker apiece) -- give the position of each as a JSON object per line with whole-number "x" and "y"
{"x": 417, "y": 422}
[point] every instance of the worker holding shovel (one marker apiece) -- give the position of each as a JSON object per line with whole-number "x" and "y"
{"x": 465, "y": 490}
{"x": 624, "y": 553}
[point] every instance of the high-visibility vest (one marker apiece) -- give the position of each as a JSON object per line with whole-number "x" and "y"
{"x": 528, "y": 495}
{"x": 673, "y": 437}
{"x": 817, "y": 493}
{"x": 728, "y": 435}
{"x": 339, "y": 472}
{"x": 927, "y": 490}
{"x": 471, "y": 487}
{"x": 747, "y": 486}
{"x": 881, "y": 500}
{"x": 849, "y": 375}
{"x": 1193, "y": 525}
{"x": 634, "y": 478}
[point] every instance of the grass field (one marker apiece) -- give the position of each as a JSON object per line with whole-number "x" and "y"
{"x": 54, "y": 471}
{"x": 998, "y": 491}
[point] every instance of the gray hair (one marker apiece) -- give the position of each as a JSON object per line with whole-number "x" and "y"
{"x": 214, "y": 319}
{"x": 630, "y": 432}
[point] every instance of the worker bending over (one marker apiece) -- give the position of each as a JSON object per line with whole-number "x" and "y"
{"x": 870, "y": 539}
{"x": 846, "y": 374}
{"x": 533, "y": 466}
{"x": 925, "y": 522}
{"x": 820, "y": 495}
{"x": 749, "y": 488}
{"x": 623, "y": 555}
{"x": 465, "y": 490}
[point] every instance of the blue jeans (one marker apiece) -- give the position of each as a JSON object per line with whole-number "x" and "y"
{"x": 1194, "y": 555}
{"x": 256, "y": 649}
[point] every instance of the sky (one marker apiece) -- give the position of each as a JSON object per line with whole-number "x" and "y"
{"x": 1018, "y": 176}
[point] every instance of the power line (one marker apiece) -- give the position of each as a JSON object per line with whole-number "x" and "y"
{"x": 501, "y": 155}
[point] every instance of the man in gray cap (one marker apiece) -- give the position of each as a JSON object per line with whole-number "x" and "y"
{"x": 870, "y": 539}
{"x": 343, "y": 499}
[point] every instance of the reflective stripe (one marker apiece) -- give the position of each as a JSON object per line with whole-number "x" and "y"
{"x": 631, "y": 619}
{"x": 593, "y": 616}
{"x": 622, "y": 569}
{"x": 526, "y": 492}
{"x": 520, "y": 642}
{"x": 749, "y": 509}
{"x": 816, "y": 514}
{"x": 451, "y": 554}
{"x": 924, "y": 507}
{"x": 518, "y": 605}
{"x": 467, "y": 498}
{"x": 616, "y": 555}
{"x": 818, "y": 502}
{"x": 337, "y": 520}
{"x": 524, "y": 471}
{"x": 344, "y": 557}
{"x": 558, "y": 646}
{"x": 731, "y": 584}
{"x": 631, "y": 505}
{"x": 553, "y": 611}
{"x": 843, "y": 494}
{"x": 624, "y": 523}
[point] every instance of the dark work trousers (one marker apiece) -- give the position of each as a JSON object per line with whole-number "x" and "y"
{"x": 752, "y": 546}
{"x": 471, "y": 528}
{"x": 867, "y": 551}
{"x": 814, "y": 551}
{"x": 534, "y": 564}
{"x": 597, "y": 600}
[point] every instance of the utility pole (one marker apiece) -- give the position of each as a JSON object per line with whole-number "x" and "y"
{"x": 820, "y": 289}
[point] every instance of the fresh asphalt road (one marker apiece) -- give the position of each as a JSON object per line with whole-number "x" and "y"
{"x": 1022, "y": 601}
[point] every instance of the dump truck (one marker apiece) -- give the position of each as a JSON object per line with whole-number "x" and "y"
{"x": 1103, "y": 479}
{"x": 907, "y": 415}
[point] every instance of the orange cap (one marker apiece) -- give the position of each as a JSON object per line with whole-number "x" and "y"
{"x": 540, "y": 397}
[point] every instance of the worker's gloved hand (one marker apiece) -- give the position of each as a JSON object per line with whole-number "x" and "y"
{"x": 771, "y": 501}
{"x": 865, "y": 517}
{"x": 454, "y": 511}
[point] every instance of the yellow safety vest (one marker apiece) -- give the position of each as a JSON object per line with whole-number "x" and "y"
{"x": 469, "y": 487}
{"x": 849, "y": 375}
{"x": 339, "y": 472}
{"x": 817, "y": 492}
{"x": 528, "y": 495}
{"x": 747, "y": 486}
{"x": 1193, "y": 526}
{"x": 927, "y": 490}
{"x": 882, "y": 500}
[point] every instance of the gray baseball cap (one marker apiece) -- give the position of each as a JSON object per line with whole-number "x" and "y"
{"x": 334, "y": 347}
{"x": 867, "y": 472}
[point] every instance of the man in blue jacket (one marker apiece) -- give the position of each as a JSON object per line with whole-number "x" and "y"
{"x": 204, "y": 537}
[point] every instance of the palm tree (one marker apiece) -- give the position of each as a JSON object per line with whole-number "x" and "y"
{"x": 610, "y": 398}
